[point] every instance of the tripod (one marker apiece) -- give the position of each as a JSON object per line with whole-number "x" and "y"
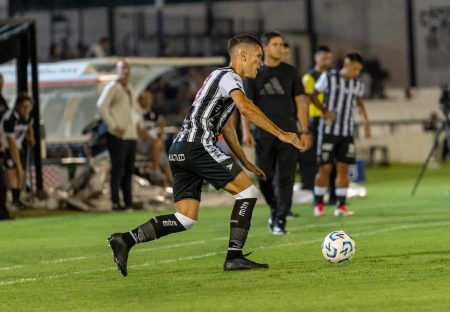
{"x": 444, "y": 127}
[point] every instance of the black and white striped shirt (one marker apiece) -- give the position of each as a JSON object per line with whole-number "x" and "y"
{"x": 211, "y": 109}
{"x": 340, "y": 95}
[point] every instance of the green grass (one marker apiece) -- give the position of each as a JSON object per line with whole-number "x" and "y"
{"x": 402, "y": 263}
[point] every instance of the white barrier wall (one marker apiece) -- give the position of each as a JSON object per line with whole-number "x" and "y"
{"x": 407, "y": 143}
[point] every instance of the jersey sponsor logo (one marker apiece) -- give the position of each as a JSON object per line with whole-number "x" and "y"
{"x": 243, "y": 208}
{"x": 169, "y": 223}
{"x": 176, "y": 157}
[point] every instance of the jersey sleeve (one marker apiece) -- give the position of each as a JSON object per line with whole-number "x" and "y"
{"x": 308, "y": 83}
{"x": 321, "y": 85}
{"x": 231, "y": 82}
{"x": 298, "y": 85}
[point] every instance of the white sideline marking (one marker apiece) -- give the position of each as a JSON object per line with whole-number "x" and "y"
{"x": 211, "y": 254}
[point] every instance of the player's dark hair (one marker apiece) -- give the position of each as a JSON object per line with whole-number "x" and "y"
{"x": 323, "y": 48}
{"x": 355, "y": 57}
{"x": 286, "y": 45}
{"x": 247, "y": 39}
{"x": 267, "y": 36}
{"x": 22, "y": 97}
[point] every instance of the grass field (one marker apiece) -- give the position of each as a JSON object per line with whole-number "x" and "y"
{"x": 402, "y": 263}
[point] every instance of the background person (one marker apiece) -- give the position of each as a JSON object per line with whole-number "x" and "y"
{"x": 120, "y": 112}
{"x": 278, "y": 91}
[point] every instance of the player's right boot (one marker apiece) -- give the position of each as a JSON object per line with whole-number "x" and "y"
{"x": 120, "y": 251}
{"x": 243, "y": 263}
{"x": 319, "y": 210}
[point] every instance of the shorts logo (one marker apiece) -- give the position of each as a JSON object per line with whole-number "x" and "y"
{"x": 176, "y": 157}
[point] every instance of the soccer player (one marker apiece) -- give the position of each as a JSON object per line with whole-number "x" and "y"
{"x": 17, "y": 127}
{"x": 308, "y": 160}
{"x": 194, "y": 157}
{"x": 336, "y": 129}
{"x": 278, "y": 91}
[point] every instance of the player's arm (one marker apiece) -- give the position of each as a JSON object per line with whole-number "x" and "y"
{"x": 301, "y": 103}
{"x": 363, "y": 112}
{"x": 230, "y": 136}
{"x": 254, "y": 115}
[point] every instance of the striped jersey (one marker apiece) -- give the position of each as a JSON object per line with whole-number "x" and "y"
{"x": 340, "y": 95}
{"x": 211, "y": 108}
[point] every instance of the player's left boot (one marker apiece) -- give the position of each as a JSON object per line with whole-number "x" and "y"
{"x": 343, "y": 211}
{"x": 120, "y": 251}
{"x": 242, "y": 263}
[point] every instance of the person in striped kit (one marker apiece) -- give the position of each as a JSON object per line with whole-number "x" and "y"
{"x": 195, "y": 157}
{"x": 343, "y": 89}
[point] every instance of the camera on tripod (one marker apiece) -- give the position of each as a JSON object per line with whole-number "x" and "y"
{"x": 445, "y": 99}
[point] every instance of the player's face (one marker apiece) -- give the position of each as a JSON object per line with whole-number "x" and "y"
{"x": 353, "y": 69}
{"x": 123, "y": 70}
{"x": 24, "y": 109}
{"x": 274, "y": 48}
{"x": 253, "y": 61}
{"x": 146, "y": 100}
{"x": 324, "y": 60}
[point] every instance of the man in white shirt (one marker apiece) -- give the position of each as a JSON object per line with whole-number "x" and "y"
{"x": 118, "y": 108}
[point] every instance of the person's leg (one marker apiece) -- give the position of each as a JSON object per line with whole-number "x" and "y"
{"x": 285, "y": 177}
{"x": 321, "y": 182}
{"x": 246, "y": 195}
{"x": 345, "y": 156}
{"x": 4, "y": 214}
{"x": 186, "y": 192}
{"x": 117, "y": 155}
{"x": 265, "y": 159}
{"x": 127, "y": 178}
{"x": 332, "y": 186}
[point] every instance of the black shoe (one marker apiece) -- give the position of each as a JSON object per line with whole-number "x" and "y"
{"x": 243, "y": 263}
{"x": 279, "y": 229}
{"x": 120, "y": 252}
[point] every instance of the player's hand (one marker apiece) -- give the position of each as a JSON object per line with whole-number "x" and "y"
{"x": 367, "y": 132}
{"x": 329, "y": 116}
{"x": 292, "y": 138}
{"x": 307, "y": 140}
{"x": 119, "y": 132}
{"x": 255, "y": 169}
{"x": 248, "y": 139}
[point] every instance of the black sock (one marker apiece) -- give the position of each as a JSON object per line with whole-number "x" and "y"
{"x": 15, "y": 194}
{"x": 341, "y": 196}
{"x": 239, "y": 226}
{"x": 153, "y": 229}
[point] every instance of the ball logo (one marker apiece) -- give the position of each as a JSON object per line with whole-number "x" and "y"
{"x": 176, "y": 157}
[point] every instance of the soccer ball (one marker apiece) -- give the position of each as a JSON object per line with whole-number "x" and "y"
{"x": 338, "y": 247}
